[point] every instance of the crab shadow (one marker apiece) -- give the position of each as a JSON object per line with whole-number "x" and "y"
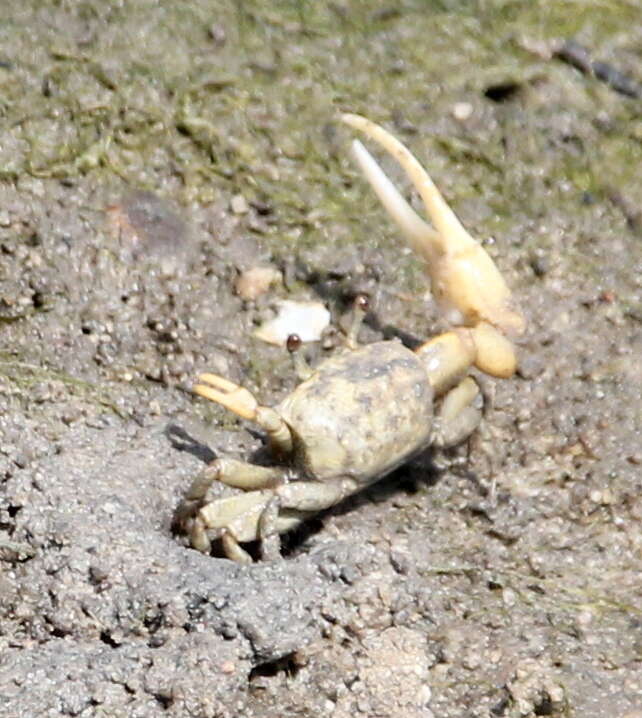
{"x": 421, "y": 473}
{"x": 181, "y": 440}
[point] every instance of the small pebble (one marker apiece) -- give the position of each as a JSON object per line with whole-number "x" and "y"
{"x": 239, "y": 204}
{"x": 462, "y": 111}
{"x": 145, "y": 223}
{"x": 509, "y": 597}
{"x": 256, "y": 281}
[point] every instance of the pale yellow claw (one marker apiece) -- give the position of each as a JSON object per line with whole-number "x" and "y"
{"x": 458, "y": 399}
{"x": 227, "y": 394}
{"x": 465, "y": 281}
{"x": 242, "y": 402}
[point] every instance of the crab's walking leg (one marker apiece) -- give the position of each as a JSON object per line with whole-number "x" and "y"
{"x": 314, "y": 496}
{"x": 189, "y": 514}
{"x": 239, "y": 474}
{"x": 232, "y": 519}
{"x": 233, "y": 549}
{"x": 267, "y": 533}
{"x": 459, "y": 415}
{"x": 256, "y": 515}
{"x": 268, "y": 530}
{"x": 242, "y": 402}
{"x": 289, "y": 505}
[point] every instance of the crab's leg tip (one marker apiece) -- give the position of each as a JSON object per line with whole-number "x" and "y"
{"x": 357, "y": 121}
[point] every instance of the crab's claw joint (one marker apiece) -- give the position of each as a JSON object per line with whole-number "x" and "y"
{"x": 467, "y": 285}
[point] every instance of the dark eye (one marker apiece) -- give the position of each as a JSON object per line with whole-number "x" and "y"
{"x": 293, "y": 343}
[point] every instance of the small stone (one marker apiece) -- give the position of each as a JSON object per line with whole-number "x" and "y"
{"x": 584, "y": 618}
{"x": 608, "y": 497}
{"x": 557, "y": 694}
{"x": 329, "y": 706}
{"x": 605, "y": 497}
{"x": 252, "y": 283}
{"x": 540, "y": 265}
{"x": 471, "y": 661}
{"x": 239, "y": 204}
{"x": 462, "y": 111}
{"x": 425, "y": 694}
{"x": 217, "y": 32}
{"x": 144, "y": 223}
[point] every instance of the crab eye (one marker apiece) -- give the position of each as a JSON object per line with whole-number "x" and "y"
{"x": 362, "y": 301}
{"x": 293, "y": 343}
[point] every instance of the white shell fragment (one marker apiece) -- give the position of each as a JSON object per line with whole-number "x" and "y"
{"x": 307, "y": 319}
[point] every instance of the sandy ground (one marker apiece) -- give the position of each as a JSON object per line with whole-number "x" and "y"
{"x": 149, "y": 153}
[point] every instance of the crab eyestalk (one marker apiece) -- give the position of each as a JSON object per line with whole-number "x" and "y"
{"x": 466, "y": 284}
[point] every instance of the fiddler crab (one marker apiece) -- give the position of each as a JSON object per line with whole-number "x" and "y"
{"x": 364, "y": 412}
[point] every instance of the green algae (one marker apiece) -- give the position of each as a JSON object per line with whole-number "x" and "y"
{"x": 242, "y": 97}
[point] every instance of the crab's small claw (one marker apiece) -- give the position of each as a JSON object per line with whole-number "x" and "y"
{"x": 227, "y": 394}
{"x": 242, "y": 402}
{"x": 465, "y": 281}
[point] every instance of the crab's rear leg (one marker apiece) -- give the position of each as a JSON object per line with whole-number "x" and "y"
{"x": 238, "y": 474}
{"x": 265, "y": 515}
{"x": 260, "y": 515}
{"x": 292, "y": 504}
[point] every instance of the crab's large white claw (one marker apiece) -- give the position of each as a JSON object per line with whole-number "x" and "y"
{"x": 465, "y": 281}
{"x": 413, "y": 227}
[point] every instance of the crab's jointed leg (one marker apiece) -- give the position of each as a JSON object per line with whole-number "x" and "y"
{"x": 194, "y": 515}
{"x": 459, "y": 414}
{"x": 257, "y": 515}
{"x": 466, "y": 284}
{"x": 449, "y": 356}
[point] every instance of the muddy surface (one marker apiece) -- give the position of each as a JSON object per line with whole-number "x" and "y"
{"x": 149, "y": 153}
